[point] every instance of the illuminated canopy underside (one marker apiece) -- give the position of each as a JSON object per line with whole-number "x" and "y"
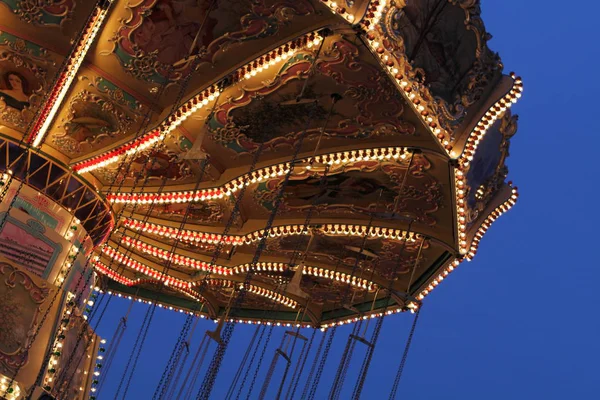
{"x": 400, "y": 187}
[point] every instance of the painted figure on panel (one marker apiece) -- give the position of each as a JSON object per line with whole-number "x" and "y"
{"x": 337, "y": 189}
{"x": 89, "y": 123}
{"x": 159, "y": 165}
{"x": 162, "y": 37}
{"x": 22, "y": 79}
{"x": 14, "y": 92}
{"x": 172, "y": 29}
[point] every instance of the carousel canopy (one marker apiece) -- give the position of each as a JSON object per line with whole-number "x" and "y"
{"x": 330, "y": 160}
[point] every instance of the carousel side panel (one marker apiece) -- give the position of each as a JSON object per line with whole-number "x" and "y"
{"x": 28, "y": 314}
{"x": 488, "y": 193}
{"x": 71, "y": 371}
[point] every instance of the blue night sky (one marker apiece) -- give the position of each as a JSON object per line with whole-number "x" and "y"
{"x": 520, "y": 321}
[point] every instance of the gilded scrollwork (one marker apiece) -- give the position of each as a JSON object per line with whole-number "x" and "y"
{"x": 44, "y": 13}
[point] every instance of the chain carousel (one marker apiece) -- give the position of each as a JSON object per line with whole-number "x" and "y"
{"x": 291, "y": 164}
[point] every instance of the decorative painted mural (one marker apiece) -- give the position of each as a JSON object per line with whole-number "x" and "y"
{"x": 21, "y": 300}
{"x": 159, "y": 165}
{"x": 331, "y": 292}
{"x": 366, "y": 187}
{"x": 151, "y": 167}
{"x": 187, "y": 33}
{"x": 370, "y": 105}
{"x": 95, "y": 117}
{"x": 442, "y": 43}
{"x": 91, "y": 122}
{"x": 23, "y": 79}
{"x": 210, "y": 212}
{"x": 44, "y": 13}
{"x": 389, "y": 259}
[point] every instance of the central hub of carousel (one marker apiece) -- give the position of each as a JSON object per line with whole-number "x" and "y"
{"x": 304, "y": 164}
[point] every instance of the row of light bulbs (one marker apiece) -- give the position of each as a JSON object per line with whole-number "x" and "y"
{"x": 182, "y": 234}
{"x": 150, "y": 302}
{"x": 10, "y": 393}
{"x": 104, "y": 270}
{"x": 451, "y": 266}
{"x": 374, "y": 13}
{"x": 355, "y": 319}
{"x": 144, "y": 269}
{"x": 277, "y": 55}
{"x": 335, "y": 229}
{"x": 335, "y": 8}
{"x": 180, "y": 285}
{"x": 412, "y": 308}
{"x": 63, "y": 84}
{"x": 340, "y": 277}
{"x": 145, "y": 141}
{"x": 97, "y": 369}
{"x": 504, "y": 207}
{"x": 194, "y": 237}
{"x": 460, "y": 182}
{"x": 346, "y": 230}
{"x": 174, "y": 257}
{"x": 265, "y": 266}
{"x": 203, "y": 316}
{"x": 73, "y": 251}
{"x": 58, "y": 342}
{"x": 58, "y": 345}
{"x": 260, "y": 175}
{"x": 260, "y": 291}
{"x": 485, "y": 225}
{"x": 494, "y": 113}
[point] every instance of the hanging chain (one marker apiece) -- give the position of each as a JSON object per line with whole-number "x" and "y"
{"x": 313, "y": 367}
{"x": 192, "y": 366}
{"x": 149, "y": 311}
{"x": 338, "y": 381}
{"x": 238, "y": 373}
{"x": 404, "y": 356}
{"x": 315, "y": 383}
{"x": 300, "y": 368}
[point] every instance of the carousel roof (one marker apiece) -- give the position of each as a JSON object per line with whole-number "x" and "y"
{"x": 339, "y": 159}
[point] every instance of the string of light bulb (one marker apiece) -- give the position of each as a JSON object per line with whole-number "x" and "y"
{"x": 261, "y": 175}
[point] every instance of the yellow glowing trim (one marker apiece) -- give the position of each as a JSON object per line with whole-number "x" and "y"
{"x": 70, "y": 73}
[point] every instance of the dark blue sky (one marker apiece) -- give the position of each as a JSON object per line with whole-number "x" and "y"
{"x": 520, "y": 321}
